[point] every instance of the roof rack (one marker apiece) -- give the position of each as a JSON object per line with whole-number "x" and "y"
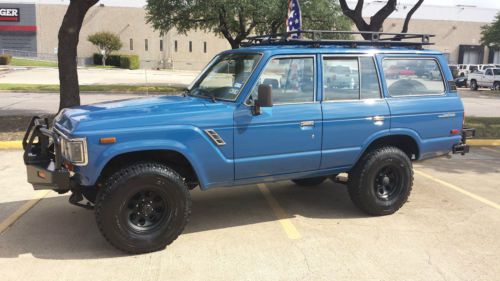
{"x": 316, "y": 38}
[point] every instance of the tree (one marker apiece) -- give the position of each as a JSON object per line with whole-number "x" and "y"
{"x": 106, "y": 42}
{"x": 490, "y": 34}
{"x": 235, "y": 20}
{"x": 69, "y": 33}
{"x": 377, "y": 20}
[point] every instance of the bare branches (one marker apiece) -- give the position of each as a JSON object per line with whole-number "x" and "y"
{"x": 378, "y": 19}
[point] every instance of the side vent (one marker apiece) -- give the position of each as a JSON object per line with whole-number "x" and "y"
{"x": 215, "y": 137}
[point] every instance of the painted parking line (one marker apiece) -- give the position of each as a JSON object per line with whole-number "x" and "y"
{"x": 490, "y": 149}
{"x": 10, "y": 220}
{"x": 461, "y": 190}
{"x": 278, "y": 211}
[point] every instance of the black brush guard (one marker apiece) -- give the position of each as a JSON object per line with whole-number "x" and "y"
{"x": 43, "y": 159}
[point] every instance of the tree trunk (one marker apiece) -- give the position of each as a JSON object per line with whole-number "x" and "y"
{"x": 68, "y": 36}
{"x": 104, "y": 59}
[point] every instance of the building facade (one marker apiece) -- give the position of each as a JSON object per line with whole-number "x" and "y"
{"x": 31, "y": 30}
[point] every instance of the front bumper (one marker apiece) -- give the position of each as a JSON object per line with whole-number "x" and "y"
{"x": 42, "y": 157}
{"x": 463, "y": 147}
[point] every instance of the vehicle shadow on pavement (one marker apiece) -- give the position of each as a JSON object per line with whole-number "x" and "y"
{"x": 479, "y": 161}
{"x": 53, "y": 229}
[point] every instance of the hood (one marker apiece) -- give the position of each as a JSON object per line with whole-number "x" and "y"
{"x": 140, "y": 112}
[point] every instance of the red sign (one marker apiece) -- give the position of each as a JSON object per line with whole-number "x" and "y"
{"x": 9, "y": 14}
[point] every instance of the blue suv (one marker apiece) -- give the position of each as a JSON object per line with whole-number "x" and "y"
{"x": 277, "y": 109}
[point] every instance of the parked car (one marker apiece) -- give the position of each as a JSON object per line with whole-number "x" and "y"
{"x": 465, "y": 69}
{"x": 483, "y": 67}
{"x": 461, "y": 82}
{"x": 135, "y": 161}
{"x": 490, "y": 78}
{"x": 454, "y": 70}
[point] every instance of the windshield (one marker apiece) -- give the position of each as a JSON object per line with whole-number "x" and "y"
{"x": 225, "y": 76}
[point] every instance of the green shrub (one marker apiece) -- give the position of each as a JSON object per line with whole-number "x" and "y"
{"x": 130, "y": 62}
{"x": 112, "y": 60}
{"x": 486, "y": 127}
{"x": 5, "y": 59}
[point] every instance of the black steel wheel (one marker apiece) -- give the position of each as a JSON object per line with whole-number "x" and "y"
{"x": 146, "y": 210}
{"x": 380, "y": 183}
{"x": 387, "y": 182}
{"x": 143, "y": 208}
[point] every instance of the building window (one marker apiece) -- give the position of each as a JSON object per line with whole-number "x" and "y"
{"x": 190, "y": 46}
{"x": 146, "y": 45}
{"x": 175, "y": 46}
{"x": 131, "y": 44}
{"x": 161, "y": 45}
{"x": 205, "y": 47}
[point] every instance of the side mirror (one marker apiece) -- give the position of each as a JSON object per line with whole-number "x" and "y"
{"x": 264, "y": 99}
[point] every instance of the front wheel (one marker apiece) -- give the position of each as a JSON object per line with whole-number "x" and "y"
{"x": 143, "y": 208}
{"x": 381, "y": 182}
{"x": 473, "y": 85}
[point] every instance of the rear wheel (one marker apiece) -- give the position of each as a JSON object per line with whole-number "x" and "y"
{"x": 310, "y": 181}
{"x": 473, "y": 85}
{"x": 381, "y": 182}
{"x": 143, "y": 208}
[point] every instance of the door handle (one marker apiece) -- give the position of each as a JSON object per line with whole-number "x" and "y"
{"x": 307, "y": 124}
{"x": 378, "y": 118}
{"x": 447, "y": 115}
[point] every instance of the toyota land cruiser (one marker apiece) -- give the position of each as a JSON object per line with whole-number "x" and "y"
{"x": 276, "y": 109}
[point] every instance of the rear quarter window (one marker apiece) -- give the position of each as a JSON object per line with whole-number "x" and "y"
{"x": 413, "y": 77}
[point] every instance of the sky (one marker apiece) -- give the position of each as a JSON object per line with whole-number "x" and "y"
{"x": 139, "y": 3}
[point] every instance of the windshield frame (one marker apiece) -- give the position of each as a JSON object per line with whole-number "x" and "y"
{"x": 203, "y": 74}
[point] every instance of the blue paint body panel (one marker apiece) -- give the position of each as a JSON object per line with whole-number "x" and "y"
{"x": 273, "y": 145}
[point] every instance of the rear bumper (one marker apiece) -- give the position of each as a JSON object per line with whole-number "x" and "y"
{"x": 42, "y": 157}
{"x": 463, "y": 147}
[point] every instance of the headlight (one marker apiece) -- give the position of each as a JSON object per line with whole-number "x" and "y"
{"x": 74, "y": 150}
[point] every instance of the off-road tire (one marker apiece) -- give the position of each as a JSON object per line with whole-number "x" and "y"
{"x": 112, "y": 211}
{"x": 364, "y": 181}
{"x": 310, "y": 181}
{"x": 473, "y": 85}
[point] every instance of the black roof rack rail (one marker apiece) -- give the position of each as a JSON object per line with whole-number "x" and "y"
{"x": 316, "y": 38}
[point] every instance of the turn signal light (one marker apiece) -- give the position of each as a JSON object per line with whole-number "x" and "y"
{"x": 41, "y": 174}
{"x": 107, "y": 140}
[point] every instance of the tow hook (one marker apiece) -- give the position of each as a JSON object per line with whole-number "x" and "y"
{"x": 77, "y": 197}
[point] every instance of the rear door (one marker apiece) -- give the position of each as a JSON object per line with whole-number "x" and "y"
{"x": 353, "y": 109}
{"x": 422, "y": 106}
{"x": 488, "y": 78}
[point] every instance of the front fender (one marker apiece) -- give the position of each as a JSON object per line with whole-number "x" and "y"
{"x": 208, "y": 161}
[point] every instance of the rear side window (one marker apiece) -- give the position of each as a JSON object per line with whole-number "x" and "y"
{"x": 410, "y": 77}
{"x": 350, "y": 78}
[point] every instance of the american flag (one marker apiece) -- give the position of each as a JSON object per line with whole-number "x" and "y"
{"x": 294, "y": 20}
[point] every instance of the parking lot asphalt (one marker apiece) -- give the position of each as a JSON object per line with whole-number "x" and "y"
{"x": 447, "y": 231}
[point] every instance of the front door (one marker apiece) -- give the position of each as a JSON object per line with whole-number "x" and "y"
{"x": 285, "y": 138}
{"x": 353, "y": 109}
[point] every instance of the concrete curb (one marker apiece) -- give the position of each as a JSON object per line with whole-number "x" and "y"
{"x": 475, "y": 142}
